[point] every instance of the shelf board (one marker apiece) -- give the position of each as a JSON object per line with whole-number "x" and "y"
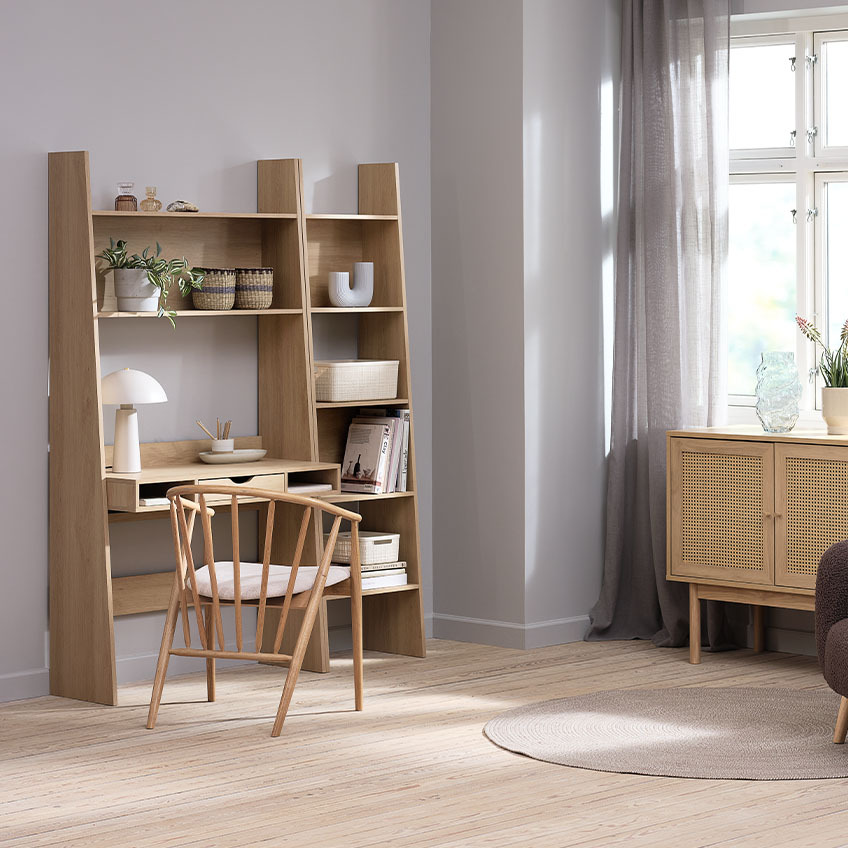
{"x": 202, "y": 313}
{"x": 343, "y": 217}
{"x": 382, "y": 590}
{"x": 350, "y": 497}
{"x": 349, "y": 310}
{"x": 259, "y": 216}
{"x": 345, "y": 403}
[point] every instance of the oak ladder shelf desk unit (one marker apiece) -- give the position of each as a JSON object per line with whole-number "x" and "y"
{"x": 749, "y": 516}
{"x": 86, "y": 498}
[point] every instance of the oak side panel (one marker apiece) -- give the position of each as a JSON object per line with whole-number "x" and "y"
{"x": 82, "y": 652}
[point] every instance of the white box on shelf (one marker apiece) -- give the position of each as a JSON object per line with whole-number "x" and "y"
{"x": 374, "y": 547}
{"x": 355, "y": 379}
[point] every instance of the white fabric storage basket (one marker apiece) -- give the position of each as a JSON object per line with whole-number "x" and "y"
{"x": 356, "y": 379}
{"x": 373, "y": 547}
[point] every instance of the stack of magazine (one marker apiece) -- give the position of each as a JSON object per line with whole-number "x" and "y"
{"x": 377, "y": 452}
{"x": 382, "y": 574}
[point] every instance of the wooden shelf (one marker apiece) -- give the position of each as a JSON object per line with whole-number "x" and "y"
{"x": 352, "y": 310}
{"x": 203, "y": 313}
{"x": 344, "y": 217}
{"x": 198, "y": 216}
{"x": 340, "y": 404}
{"x": 350, "y": 497}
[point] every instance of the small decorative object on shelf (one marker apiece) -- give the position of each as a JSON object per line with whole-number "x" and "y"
{"x": 150, "y": 203}
{"x": 181, "y": 206}
{"x": 833, "y": 368}
{"x": 221, "y": 442}
{"x": 126, "y": 201}
{"x": 343, "y": 296}
{"x": 254, "y": 288}
{"x": 218, "y": 291}
{"x": 145, "y": 286}
{"x": 778, "y": 391}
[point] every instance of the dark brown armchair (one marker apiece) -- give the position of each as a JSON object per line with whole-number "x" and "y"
{"x": 832, "y": 627}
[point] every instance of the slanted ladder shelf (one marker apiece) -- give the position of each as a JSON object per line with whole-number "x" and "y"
{"x": 84, "y": 598}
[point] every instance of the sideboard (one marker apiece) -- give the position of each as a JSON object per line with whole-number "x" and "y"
{"x": 750, "y": 514}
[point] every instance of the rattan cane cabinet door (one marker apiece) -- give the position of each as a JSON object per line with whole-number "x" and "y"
{"x": 721, "y": 510}
{"x": 811, "y": 509}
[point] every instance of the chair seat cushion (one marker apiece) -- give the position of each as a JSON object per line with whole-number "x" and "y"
{"x": 836, "y": 657}
{"x": 251, "y": 579}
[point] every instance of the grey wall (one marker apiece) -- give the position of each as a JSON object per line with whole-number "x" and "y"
{"x": 570, "y": 64}
{"x": 478, "y": 323}
{"x": 523, "y": 107}
{"x": 187, "y": 96}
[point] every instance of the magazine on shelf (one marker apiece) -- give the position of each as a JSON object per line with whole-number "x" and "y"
{"x": 366, "y": 456}
{"x": 399, "y": 419}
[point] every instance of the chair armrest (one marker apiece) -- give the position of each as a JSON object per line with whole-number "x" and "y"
{"x": 831, "y": 593}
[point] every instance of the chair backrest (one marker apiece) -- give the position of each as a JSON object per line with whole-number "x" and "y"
{"x": 194, "y": 500}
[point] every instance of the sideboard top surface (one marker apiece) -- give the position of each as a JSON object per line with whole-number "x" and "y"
{"x": 753, "y": 433}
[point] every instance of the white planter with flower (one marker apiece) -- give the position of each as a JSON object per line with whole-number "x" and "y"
{"x": 833, "y": 369}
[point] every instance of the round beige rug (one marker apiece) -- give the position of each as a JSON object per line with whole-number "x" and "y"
{"x": 705, "y": 732}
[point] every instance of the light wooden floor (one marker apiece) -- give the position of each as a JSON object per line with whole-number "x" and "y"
{"x": 413, "y": 770}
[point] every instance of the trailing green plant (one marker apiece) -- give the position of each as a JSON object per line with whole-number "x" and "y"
{"x": 162, "y": 273}
{"x": 833, "y": 364}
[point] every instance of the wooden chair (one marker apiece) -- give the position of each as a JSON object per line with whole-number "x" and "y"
{"x": 261, "y": 585}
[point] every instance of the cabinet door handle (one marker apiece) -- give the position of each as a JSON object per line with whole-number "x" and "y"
{"x": 768, "y": 515}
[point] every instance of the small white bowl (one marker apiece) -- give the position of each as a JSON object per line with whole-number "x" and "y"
{"x": 223, "y": 445}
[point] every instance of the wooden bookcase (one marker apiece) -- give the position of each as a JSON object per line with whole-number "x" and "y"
{"x": 84, "y": 598}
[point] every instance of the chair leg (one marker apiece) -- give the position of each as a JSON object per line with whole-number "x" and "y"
{"x": 306, "y": 624}
{"x": 841, "y": 722}
{"x": 164, "y": 656}
{"x": 356, "y": 629}
{"x": 209, "y": 621}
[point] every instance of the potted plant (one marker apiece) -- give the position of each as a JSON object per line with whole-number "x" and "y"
{"x": 833, "y": 367}
{"x": 142, "y": 282}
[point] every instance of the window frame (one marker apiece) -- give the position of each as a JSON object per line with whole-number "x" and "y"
{"x": 810, "y": 165}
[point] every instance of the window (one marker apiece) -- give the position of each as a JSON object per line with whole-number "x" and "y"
{"x": 788, "y": 199}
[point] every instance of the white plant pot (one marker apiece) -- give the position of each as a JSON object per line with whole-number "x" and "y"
{"x": 835, "y": 411}
{"x": 134, "y": 292}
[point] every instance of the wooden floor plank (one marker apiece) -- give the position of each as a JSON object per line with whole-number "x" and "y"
{"x": 413, "y": 769}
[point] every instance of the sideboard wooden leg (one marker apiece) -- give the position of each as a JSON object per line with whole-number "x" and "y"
{"x": 759, "y": 628}
{"x": 694, "y": 625}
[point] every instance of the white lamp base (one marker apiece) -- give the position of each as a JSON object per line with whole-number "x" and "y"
{"x": 126, "y": 455}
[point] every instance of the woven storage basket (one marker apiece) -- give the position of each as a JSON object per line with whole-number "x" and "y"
{"x": 219, "y": 289}
{"x": 356, "y": 379}
{"x": 254, "y": 288}
{"x": 374, "y": 547}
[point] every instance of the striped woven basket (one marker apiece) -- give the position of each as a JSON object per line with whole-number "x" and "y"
{"x": 254, "y": 288}
{"x": 218, "y": 291}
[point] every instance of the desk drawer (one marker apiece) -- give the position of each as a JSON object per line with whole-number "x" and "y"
{"x": 271, "y": 482}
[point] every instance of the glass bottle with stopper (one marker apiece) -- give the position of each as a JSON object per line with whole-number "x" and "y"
{"x": 126, "y": 201}
{"x": 150, "y": 203}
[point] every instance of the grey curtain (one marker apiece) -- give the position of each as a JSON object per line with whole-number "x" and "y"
{"x": 668, "y": 369}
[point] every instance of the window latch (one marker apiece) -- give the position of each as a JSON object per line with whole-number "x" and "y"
{"x": 792, "y": 63}
{"x": 811, "y": 213}
{"x": 794, "y": 214}
{"x": 811, "y": 60}
{"x": 812, "y": 132}
{"x": 792, "y": 135}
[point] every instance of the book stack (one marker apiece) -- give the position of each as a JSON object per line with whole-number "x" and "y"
{"x": 382, "y": 574}
{"x": 376, "y": 455}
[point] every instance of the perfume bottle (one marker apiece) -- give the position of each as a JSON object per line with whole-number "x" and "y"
{"x": 150, "y": 203}
{"x": 126, "y": 201}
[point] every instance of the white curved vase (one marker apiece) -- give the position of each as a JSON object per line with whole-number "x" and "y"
{"x": 835, "y": 411}
{"x": 345, "y": 296}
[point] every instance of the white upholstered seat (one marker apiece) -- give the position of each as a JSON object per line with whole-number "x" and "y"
{"x": 251, "y": 579}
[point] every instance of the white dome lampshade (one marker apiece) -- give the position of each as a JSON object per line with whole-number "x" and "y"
{"x": 126, "y": 387}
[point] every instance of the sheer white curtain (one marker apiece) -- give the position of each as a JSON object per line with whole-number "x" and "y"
{"x": 668, "y": 368}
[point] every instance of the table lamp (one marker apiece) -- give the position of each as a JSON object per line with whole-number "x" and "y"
{"x": 126, "y": 387}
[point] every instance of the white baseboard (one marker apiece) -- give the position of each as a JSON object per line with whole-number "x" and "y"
{"x": 791, "y": 641}
{"x": 18, "y": 685}
{"x": 510, "y": 634}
